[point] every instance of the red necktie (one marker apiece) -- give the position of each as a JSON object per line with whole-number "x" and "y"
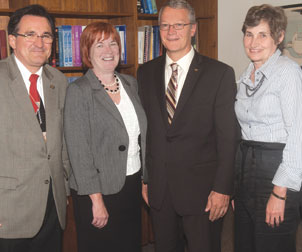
{"x": 33, "y": 92}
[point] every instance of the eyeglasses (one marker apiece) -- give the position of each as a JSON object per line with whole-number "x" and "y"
{"x": 32, "y": 37}
{"x": 165, "y": 27}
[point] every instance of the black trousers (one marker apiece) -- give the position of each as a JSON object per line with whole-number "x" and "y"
{"x": 257, "y": 163}
{"x": 48, "y": 239}
{"x": 173, "y": 231}
{"x": 123, "y": 230}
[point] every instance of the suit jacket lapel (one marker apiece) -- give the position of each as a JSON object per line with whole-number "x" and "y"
{"x": 159, "y": 83}
{"x": 21, "y": 96}
{"x": 51, "y": 105}
{"x": 191, "y": 80}
{"x": 104, "y": 97}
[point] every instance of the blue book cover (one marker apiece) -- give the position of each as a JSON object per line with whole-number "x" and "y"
{"x": 122, "y": 32}
{"x": 146, "y": 8}
{"x": 60, "y": 35}
{"x": 142, "y": 6}
{"x": 149, "y": 4}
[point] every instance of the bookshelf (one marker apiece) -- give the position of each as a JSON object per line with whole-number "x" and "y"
{"x": 117, "y": 12}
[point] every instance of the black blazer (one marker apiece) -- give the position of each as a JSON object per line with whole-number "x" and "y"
{"x": 195, "y": 154}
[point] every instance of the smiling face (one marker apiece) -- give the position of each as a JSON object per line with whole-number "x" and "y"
{"x": 177, "y": 42}
{"x": 32, "y": 54}
{"x": 104, "y": 55}
{"x": 259, "y": 44}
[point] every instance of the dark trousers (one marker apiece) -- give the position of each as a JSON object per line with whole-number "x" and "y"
{"x": 170, "y": 230}
{"x": 48, "y": 239}
{"x": 123, "y": 230}
{"x": 257, "y": 163}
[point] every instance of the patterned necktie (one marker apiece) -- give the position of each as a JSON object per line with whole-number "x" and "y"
{"x": 33, "y": 92}
{"x": 171, "y": 93}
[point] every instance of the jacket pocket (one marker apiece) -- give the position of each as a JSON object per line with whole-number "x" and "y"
{"x": 8, "y": 183}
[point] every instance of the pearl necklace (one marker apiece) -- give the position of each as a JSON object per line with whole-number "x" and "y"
{"x": 112, "y": 91}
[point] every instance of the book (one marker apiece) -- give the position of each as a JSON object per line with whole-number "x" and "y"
{"x": 145, "y": 6}
{"x": 154, "y": 7}
{"x": 149, "y": 5}
{"x": 67, "y": 45}
{"x": 76, "y": 54}
{"x": 140, "y": 38}
{"x": 60, "y": 46}
{"x": 122, "y": 32}
{"x": 139, "y": 7}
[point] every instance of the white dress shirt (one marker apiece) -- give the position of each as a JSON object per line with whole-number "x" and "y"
{"x": 129, "y": 116}
{"x": 274, "y": 113}
{"x": 183, "y": 68}
{"x": 26, "y": 74}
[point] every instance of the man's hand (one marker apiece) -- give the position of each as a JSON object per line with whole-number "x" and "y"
{"x": 145, "y": 193}
{"x": 275, "y": 207}
{"x": 99, "y": 211}
{"x": 217, "y": 205}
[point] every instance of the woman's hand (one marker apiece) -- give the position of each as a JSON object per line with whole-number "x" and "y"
{"x": 99, "y": 211}
{"x": 275, "y": 207}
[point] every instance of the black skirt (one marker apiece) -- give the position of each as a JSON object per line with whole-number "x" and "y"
{"x": 123, "y": 230}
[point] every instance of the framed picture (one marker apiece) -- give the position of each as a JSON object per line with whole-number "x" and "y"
{"x": 293, "y": 36}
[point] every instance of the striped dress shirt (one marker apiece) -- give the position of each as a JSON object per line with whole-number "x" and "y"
{"x": 274, "y": 113}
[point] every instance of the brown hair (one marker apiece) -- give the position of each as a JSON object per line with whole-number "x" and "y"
{"x": 274, "y": 16}
{"x": 93, "y": 32}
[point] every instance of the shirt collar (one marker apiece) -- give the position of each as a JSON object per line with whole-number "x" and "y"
{"x": 266, "y": 69}
{"x": 24, "y": 71}
{"x": 184, "y": 62}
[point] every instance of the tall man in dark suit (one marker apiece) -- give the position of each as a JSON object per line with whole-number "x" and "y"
{"x": 33, "y": 158}
{"x": 191, "y": 136}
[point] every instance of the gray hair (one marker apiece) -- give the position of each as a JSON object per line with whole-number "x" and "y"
{"x": 179, "y": 4}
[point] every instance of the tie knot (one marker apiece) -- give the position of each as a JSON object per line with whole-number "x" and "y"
{"x": 33, "y": 78}
{"x": 174, "y": 67}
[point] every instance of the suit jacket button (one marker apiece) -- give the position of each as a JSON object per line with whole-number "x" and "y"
{"x": 122, "y": 147}
{"x": 48, "y": 157}
{"x": 46, "y": 181}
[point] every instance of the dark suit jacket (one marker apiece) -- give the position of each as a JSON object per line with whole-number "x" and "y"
{"x": 195, "y": 154}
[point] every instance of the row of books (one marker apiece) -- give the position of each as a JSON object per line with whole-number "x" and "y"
{"x": 149, "y": 45}
{"x": 66, "y": 47}
{"x": 147, "y": 6}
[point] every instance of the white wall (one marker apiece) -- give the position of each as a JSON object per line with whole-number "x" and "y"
{"x": 231, "y": 14}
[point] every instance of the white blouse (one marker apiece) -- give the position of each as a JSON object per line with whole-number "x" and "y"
{"x": 129, "y": 116}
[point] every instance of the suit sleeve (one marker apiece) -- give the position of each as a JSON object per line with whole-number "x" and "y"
{"x": 77, "y": 135}
{"x": 227, "y": 133}
{"x": 143, "y": 101}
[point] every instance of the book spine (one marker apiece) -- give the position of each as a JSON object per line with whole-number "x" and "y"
{"x": 78, "y": 32}
{"x": 73, "y": 34}
{"x": 146, "y": 8}
{"x": 69, "y": 45}
{"x": 154, "y": 7}
{"x": 61, "y": 54}
{"x": 149, "y": 4}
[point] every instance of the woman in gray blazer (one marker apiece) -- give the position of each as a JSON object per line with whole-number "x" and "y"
{"x": 105, "y": 129}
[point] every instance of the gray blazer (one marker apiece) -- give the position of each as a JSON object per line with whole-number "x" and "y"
{"x": 96, "y": 137}
{"x": 27, "y": 162}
